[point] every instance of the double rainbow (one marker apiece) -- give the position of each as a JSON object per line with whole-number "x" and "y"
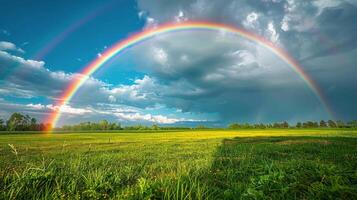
{"x": 131, "y": 41}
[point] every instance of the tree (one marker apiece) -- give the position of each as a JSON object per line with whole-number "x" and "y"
{"x": 234, "y": 126}
{"x": 340, "y": 124}
{"x": 298, "y": 125}
{"x": 310, "y": 124}
{"x": 18, "y": 122}
{"x": 2, "y": 125}
{"x": 315, "y": 125}
{"x": 285, "y": 125}
{"x": 201, "y": 127}
{"x": 352, "y": 124}
{"x": 276, "y": 125}
{"x": 323, "y": 124}
{"x": 33, "y": 125}
{"x": 103, "y": 125}
{"x": 246, "y": 126}
{"x": 262, "y": 126}
{"x": 115, "y": 126}
{"x": 331, "y": 124}
{"x": 155, "y": 127}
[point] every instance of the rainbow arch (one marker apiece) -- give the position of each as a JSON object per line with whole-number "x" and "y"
{"x": 58, "y": 38}
{"x": 172, "y": 27}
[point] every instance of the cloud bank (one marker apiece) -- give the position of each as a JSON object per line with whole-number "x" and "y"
{"x": 208, "y": 73}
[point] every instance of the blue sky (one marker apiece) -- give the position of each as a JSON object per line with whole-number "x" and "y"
{"x": 181, "y": 78}
{"x": 35, "y": 24}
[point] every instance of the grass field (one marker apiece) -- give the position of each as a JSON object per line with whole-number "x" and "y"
{"x": 221, "y": 164}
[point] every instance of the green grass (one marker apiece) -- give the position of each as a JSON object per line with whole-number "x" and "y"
{"x": 219, "y": 164}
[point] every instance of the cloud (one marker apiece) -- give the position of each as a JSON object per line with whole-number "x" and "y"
{"x": 7, "y": 108}
{"x": 160, "y": 119}
{"x": 122, "y": 114}
{"x": 95, "y": 100}
{"x": 8, "y": 46}
{"x": 5, "y": 32}
{"x": 332, "y": 39}
{"x": 24, "y": 78}
{"x": 251, "y": 20}
{"x": 222, "y": 79}
{"x": 283, "y": 21}
{"x": 66, "y": 109}
{"x": 141, "y": 93}
{"x": 272, "y": 33}
{"x": 36, "y": 106}
{"x": 210, "y": 72}
{"x": 207, "y": 72}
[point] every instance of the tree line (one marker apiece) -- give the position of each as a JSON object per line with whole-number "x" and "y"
{"x": 105, "y": 125}
{"x": 307, "y": 124}
{"x": 20, "y": 122}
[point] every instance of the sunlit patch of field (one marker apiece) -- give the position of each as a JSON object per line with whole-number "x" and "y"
{"x": 209, "y": 164}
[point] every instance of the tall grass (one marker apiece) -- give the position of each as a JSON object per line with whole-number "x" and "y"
{"x": 275, "y": 164}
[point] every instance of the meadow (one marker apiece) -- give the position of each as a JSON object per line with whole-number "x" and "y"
{"x": 197, "y": 164}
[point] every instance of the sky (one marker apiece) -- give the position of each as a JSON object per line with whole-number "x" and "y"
{"x": 180, "y": 78}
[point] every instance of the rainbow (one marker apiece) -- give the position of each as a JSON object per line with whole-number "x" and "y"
{"x": 172, "y": 27}
{"x": 60, "y": 37}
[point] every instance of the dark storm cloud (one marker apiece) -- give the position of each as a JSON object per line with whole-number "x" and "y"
{"x": 336, "y": 40}
{"x": 298, "y": 21}
{"x": 211, "y": 81}
{"x": 206, "y": 72}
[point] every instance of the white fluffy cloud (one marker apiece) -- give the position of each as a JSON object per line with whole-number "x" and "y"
{"x": 8, "y": 46}
{"x": 160, "y": 119}
{"x": 25, "y": 78}
{"x": 122, "y": 114}
{"x": 96, "y": 99}
{"x": 63, "y": 109}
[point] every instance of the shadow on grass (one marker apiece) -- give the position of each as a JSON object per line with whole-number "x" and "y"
{"x": 284, "y": 168}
